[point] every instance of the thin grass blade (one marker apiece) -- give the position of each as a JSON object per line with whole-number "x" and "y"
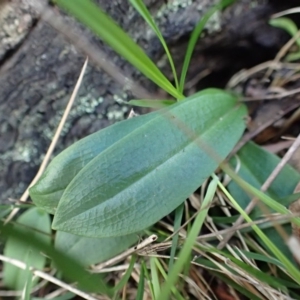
{"x": 194, "y": 38}
{"x": 101, "y": 24}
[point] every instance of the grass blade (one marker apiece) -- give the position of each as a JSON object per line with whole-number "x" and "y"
{"x": 177, "y": 223}
{"x": 194, "y": 37}
{"x": 92, "y": 16}
{"x": 126, "y": 276}
{"x": 186, "y": 250}
{"x": 151, "y": 103}
{"x": 143, "y": 11}
{"x": 141, "y": 286}
{"x": 155, "y": 277}
{"x": 292, "y": 270}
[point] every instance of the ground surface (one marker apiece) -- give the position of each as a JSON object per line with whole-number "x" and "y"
{"x": 39, "y": 68}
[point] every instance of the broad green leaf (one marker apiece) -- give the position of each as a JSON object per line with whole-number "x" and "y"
{"x": 69, "y": 267}
{"x": 101, "y": 24}
{"x": 38, "y": 220}
{"x": 148, "y": 173}
{"x": 289, "y": 199}
{"x": 256, "y": 164}
{"x": 90, "y": 251}
{"x": 151, "y": 103}
{"x": 64, "y": 167}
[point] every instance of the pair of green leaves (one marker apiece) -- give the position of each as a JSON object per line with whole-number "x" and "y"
{"x": 126, "y": 177}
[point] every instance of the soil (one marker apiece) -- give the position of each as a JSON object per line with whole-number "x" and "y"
{"x": 39, "y": 68}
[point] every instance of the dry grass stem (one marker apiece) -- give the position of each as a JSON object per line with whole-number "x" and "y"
{"x": 125, "y": 254}
{"x": 286, "y": 12}
{"x": 245, "y": 74}
{"x": 280, "y": 95}
{"x": 278, "y": 218}
{"x": 251, "y": 134}
{"x": 283, "y": 51}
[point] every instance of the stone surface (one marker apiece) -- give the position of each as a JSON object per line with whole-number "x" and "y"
{"x": 39, "y": 69}
{"x": 16, "y": 19}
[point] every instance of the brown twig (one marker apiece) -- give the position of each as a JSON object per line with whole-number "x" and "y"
{"x": 273, "y": 97}
{"x": 245, "y": 74}
{"x": 251, "y": 134}
{"x": 283, "y": 52}
{"x": 152, "y": 238}
{"x": 293, "y": 10}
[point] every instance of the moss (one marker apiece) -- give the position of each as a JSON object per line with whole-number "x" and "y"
{"x": 172, "y": 6}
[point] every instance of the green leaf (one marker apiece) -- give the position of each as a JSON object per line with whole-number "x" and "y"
{"x": 256, "y": 164}
{"x": 287, "y": 24}
{"x": 148, "y": 173}
{"x": 293, "y": 56}
{"x": 5, "y": 209}
{"x": 69, "y": 267}
{"x": 151, "y": 103}
{"x": 89, "y": 251}
{"x": 64, "y": 167}
{"x": 101, "y": 24}
{"x": 14, "y": 277}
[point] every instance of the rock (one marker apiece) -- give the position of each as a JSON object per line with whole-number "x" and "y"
{"x": 39, "y": 69}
